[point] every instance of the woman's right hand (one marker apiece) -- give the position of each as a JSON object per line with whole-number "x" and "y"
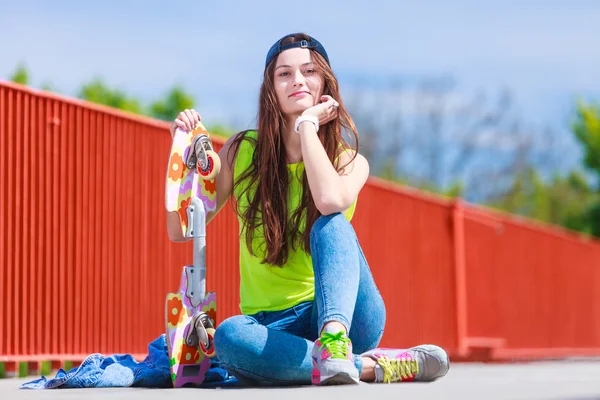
{"x": 325, "y": 111}
{"x": 186, "y": 120}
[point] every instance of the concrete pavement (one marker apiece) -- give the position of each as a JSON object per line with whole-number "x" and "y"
{"x": 579, "y": 380}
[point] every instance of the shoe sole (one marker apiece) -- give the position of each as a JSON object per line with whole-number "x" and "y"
{"x": 341, "y": 378}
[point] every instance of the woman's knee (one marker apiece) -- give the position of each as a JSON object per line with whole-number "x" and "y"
{"x": 330, "y": 225}
{"x": 371, "y": 343}
{"x": 365, "y": 338}
{"x": 228, "y": 334}
{"x": 368, "y": 325}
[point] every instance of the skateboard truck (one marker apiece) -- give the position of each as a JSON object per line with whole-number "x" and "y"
{"x": 199, "y": 335}
{"x": 203, "y": 157}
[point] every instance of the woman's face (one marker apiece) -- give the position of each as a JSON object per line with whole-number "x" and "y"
{"x": 297, "y": 83}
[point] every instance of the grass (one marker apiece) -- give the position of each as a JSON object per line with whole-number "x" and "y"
{"x": 46, "y": 368}
{"x": 23, "y": 371}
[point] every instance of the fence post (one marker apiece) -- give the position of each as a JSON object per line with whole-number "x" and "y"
{"x": 460, "y": 274}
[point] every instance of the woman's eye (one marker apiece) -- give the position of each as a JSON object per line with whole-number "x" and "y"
{"x": 284, "y": 74}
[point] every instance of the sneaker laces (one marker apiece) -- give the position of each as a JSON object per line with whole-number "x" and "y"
{"x": 398, "y": 369}
{"x": 336, "y": 343}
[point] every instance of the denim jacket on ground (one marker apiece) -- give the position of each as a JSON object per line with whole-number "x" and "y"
{"x": 122, "y": 370}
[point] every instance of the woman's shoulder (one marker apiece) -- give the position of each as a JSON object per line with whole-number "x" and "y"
{"x": 348, "y": 157}
{"x": 238, "y": 139}
{"x": 240, "y": 148}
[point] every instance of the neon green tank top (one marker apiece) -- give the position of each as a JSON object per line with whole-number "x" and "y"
{"x": 265, "y": 287}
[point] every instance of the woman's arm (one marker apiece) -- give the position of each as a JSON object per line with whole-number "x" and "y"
{"x": 331, "y": 191}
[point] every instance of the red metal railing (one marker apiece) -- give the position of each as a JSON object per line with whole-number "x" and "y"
{"x": 534, "y": 291}
{"x": 86, "y": 262}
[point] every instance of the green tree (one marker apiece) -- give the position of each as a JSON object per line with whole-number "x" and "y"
{"x": 97, "y": 91}
{"x": 175, "y": 101}
{"x": 220, "y": 130}
{"x": 388, "y": 172}
{"x": 21, "y": 75}
{"x": 563, "y": 200}
{"x": 571, "y": 200}
{"x": 587, "y": 131}
{"x": 48, "y": 87}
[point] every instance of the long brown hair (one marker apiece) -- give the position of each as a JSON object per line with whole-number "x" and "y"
{"x": 268, "y": 173}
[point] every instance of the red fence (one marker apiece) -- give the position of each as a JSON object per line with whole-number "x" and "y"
{"x": 86, "y": 262}
{"x": 533, "y": 292}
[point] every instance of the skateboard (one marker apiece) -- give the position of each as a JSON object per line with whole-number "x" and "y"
{"x": 190, "y": 313}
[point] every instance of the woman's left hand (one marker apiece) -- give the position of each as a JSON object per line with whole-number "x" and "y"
{"x": 325, "y": 111}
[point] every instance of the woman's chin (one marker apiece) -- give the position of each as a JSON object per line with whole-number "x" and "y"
{"x": 298, "y": 107}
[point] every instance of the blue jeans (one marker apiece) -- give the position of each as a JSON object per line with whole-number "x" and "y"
{"x": 275, "y": 348}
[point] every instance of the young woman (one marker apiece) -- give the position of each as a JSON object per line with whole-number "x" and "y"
{"x": 310, "y": 308}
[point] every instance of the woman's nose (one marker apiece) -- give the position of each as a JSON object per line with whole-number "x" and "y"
{"x": 299, "y": 78}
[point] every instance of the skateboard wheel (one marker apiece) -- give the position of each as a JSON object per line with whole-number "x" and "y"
{"x": 210, "y": 351}
{"x": 212, "y": 167}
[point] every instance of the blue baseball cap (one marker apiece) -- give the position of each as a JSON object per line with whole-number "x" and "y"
{"x": 311, "y": 43}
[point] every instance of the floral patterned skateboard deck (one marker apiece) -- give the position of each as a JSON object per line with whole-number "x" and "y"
{"x": 190, "y": 312}
{"x": 189, "y": 362}
{"x": 186, "y": 178}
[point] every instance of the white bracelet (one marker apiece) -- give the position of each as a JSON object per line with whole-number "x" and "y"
{"x": 307, "y": 118}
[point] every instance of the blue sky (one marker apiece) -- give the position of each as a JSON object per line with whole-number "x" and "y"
{"x": 546, "y": 52}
